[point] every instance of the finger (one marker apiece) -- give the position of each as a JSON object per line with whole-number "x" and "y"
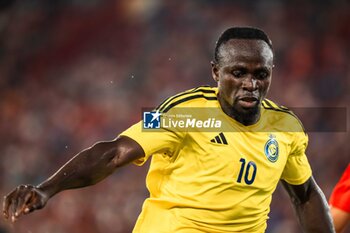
{"x": 30, "y": 203}
{"x": 34, "y": 203}
{"x": 16, "y": 200}
{"x": 23, "y": 202}
{"x": 5, "y": 206}
{"x": 27, "y": 210}
{"x": 17, "y": 208}
{"x": 13, "y": 208}
{"x": 31, "y": 208}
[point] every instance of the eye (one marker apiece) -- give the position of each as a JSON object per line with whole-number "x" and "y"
{"x": 238, "y": 73}
{"x": 262, "y": 74}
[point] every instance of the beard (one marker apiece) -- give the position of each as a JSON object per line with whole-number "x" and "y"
{"x": 245, "y": 116}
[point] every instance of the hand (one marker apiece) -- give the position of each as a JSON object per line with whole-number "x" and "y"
{"x": 23, "y": 200}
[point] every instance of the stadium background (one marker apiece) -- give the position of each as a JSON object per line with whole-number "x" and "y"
{"x": 74, "y": 72}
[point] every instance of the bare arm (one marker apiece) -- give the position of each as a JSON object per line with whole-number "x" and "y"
{"x": 340, "y": 217}
{"x": 311, "y": 207}
{"x": 86, "y": 168}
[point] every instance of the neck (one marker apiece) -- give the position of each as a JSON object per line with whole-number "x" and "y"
{"x": 243, "y": 116}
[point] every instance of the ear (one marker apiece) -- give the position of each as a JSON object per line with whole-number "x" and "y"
{"x": 215, "y": 71}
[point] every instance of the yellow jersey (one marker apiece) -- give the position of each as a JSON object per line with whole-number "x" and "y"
{"x": 221, "y": 180}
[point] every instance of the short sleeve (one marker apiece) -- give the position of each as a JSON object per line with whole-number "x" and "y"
{"x": 153, "y": 141}
{"x": 297, "y": 170}
{"x": 340, "y": 197}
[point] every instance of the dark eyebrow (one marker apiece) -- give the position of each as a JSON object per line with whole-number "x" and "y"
{"x": 264, "y": 68}
{"x": 241, "y": 67}
{"x": 236, "y": 67}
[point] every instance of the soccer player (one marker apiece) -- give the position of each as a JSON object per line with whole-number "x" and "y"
{"x": 199, "y": 180}
{"x": 340, "y": 201}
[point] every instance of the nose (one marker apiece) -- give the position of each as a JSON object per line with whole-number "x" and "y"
{"x": 249, "y": 83}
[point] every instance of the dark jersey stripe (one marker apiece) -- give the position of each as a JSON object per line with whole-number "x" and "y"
{"x": 198, "y": 89}
{"x": 186, "y": 99}
{"x": 222, "y": 136}
{"x": 169, "y": 99}
{"x": 217, "y": 138}
{"x": 279, "y": 109}
{"x": 282, "y": 109}
{"x": 264, "y": 104}
{"x": 268, "y": 104}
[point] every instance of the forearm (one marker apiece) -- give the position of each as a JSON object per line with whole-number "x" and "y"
{"x": 313, "y": 214}
{"x": 86, "y": 168}
{"x": 340, "y": 217}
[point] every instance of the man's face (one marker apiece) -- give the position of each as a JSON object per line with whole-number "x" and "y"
{"x": 243, "y": 74}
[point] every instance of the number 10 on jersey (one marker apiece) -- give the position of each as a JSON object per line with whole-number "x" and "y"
{"x": 247, "y": 171}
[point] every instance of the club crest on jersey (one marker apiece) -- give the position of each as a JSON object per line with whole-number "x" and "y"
{"x": 271, "y": 149}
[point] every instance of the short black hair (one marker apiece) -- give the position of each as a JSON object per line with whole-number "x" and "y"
{"x": 240, "y": 33}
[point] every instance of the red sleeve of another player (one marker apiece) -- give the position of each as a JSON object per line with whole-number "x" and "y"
{"x": 340, "y": 197}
